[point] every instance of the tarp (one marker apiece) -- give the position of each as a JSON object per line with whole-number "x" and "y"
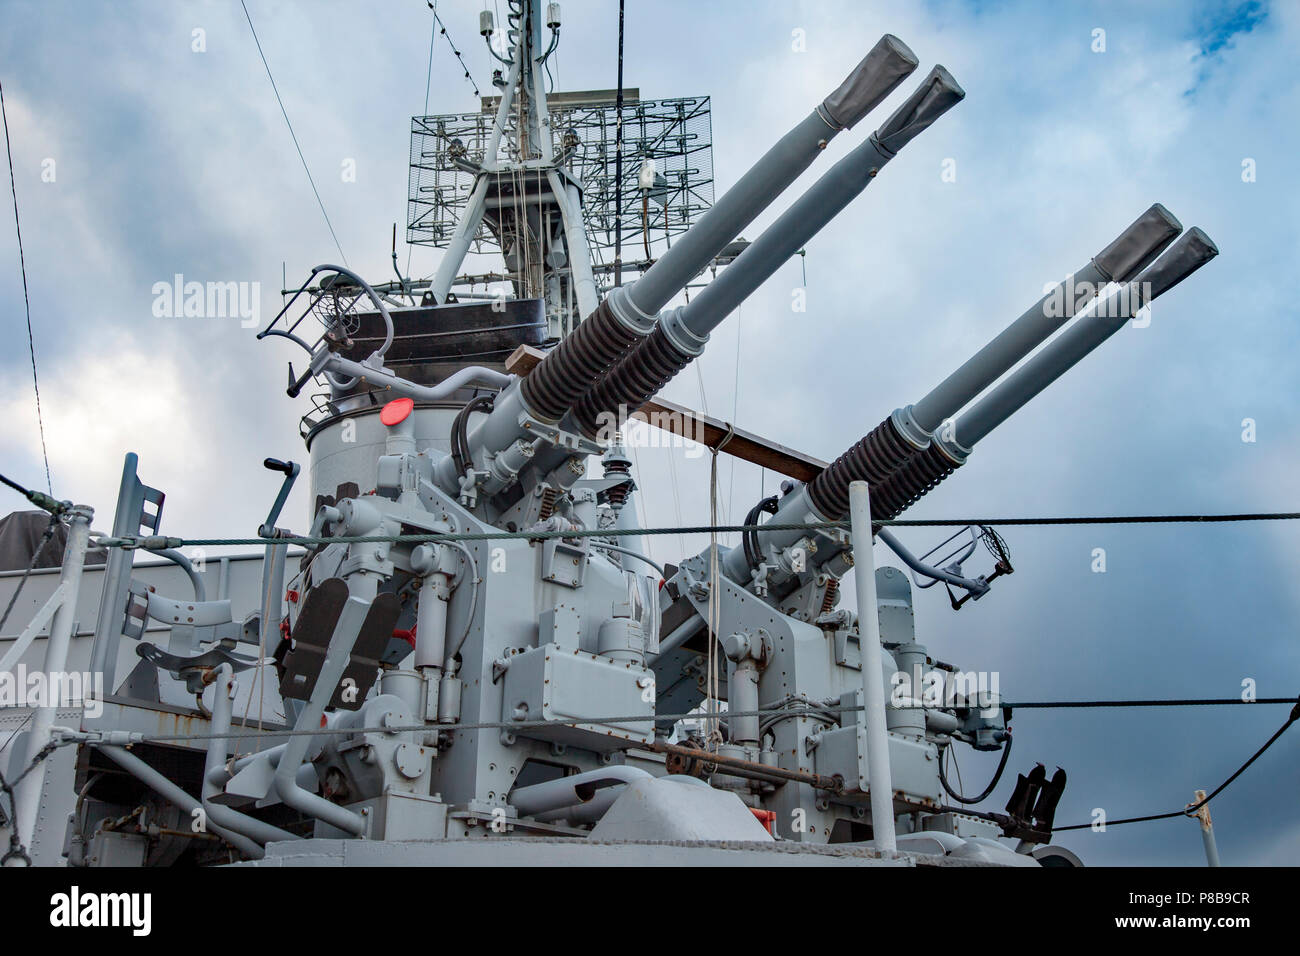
{"x": 20, "y": 537}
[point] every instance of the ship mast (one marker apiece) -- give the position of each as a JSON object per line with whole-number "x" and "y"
{"x": 523, "y": 191}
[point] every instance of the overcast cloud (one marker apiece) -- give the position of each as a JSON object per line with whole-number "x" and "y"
{"x": 169, "y": 161}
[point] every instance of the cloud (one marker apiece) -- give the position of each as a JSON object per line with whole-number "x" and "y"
{"x": 173, "y": 161}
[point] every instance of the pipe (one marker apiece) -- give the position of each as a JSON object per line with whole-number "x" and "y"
{"x": 568, "y": 791}
{"x": 221, "y": 775}
{"x": 873, "y": 691}
{"x": 372, "y": 295}
{"x": 175, "y": 557}
{"x": 26, "y": 795}
{"x": 362, "y": 587}
{"x": 174, "y": 795}
{"x": 966, "y": 584}
{"x": 632, "y": 554}
{"x": 380, "y": 377}
{"x": 737, "y": 766}
{"x": 222, "y": 711}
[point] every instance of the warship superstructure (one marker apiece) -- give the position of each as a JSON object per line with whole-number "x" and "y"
{"x": 463, "y": 654}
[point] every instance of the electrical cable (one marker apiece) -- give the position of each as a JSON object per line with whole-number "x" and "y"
{"x": 460, "y": 431}
{"x": 997, "y": 775}
{"x": 16, "y": 849}
{"x": 749, "y": 539}
{"x": 817, "y": 712}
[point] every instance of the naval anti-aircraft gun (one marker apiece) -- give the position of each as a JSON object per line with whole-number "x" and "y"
{"x": 473, "y": 643}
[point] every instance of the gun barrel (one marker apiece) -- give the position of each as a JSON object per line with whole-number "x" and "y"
{"x": 1137, "y": 246}
{"x": 906, "y": 433}
{"x": 628, "y": 314}
{"x": 682, "y": 333}
{"x": 1191, "y": 252}
{"x": 878, "y": 74}
{"x": 924, "y": 471}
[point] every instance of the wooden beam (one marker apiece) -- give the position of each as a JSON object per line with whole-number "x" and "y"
{"x": 708, "y": 431}
{"x": 524, "y": 359}
{"x": 746, "y": 446}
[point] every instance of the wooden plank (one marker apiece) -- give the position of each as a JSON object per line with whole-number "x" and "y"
{"x": 524, "y": 359}
{"x": 710, "y": 432}
{"x": 744, "y": 445}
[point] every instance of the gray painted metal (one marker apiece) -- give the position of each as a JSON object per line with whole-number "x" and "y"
{"x": 886, "y": 65}
{"x": 864, "y": 578}
{"x": 524, "y": 686}
{"x": 1120, "y": 261}
{"x": 26, "y": 794}
{"x": 1187, "y": 255}
{"x": 816, "y": 207}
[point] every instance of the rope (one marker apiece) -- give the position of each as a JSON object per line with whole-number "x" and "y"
{"x": 27, "y": 302}
{"x": 294, "y": 135}
{"x": 16, "y": 848}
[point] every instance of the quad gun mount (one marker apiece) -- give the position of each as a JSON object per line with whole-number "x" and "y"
{"x": 477, "y": 686}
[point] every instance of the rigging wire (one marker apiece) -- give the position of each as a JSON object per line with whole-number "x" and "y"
{"x": 16, "y": 848}
{"x": 27, "y": 302}
{"x": 1191, "y": 808}
{"x": 428, "y": 82}
{"x": 451, "y": 43}
{"x": 292, "y": 134}
{"x": 784, "y": 711}
{"x": 157, "y": 541}
{"x": 36, "y": 555}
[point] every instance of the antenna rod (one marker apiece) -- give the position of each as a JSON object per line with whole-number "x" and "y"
{"x": 618, "y": 160}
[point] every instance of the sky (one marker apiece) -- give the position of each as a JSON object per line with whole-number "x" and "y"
{"x": 147, "y": 142}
